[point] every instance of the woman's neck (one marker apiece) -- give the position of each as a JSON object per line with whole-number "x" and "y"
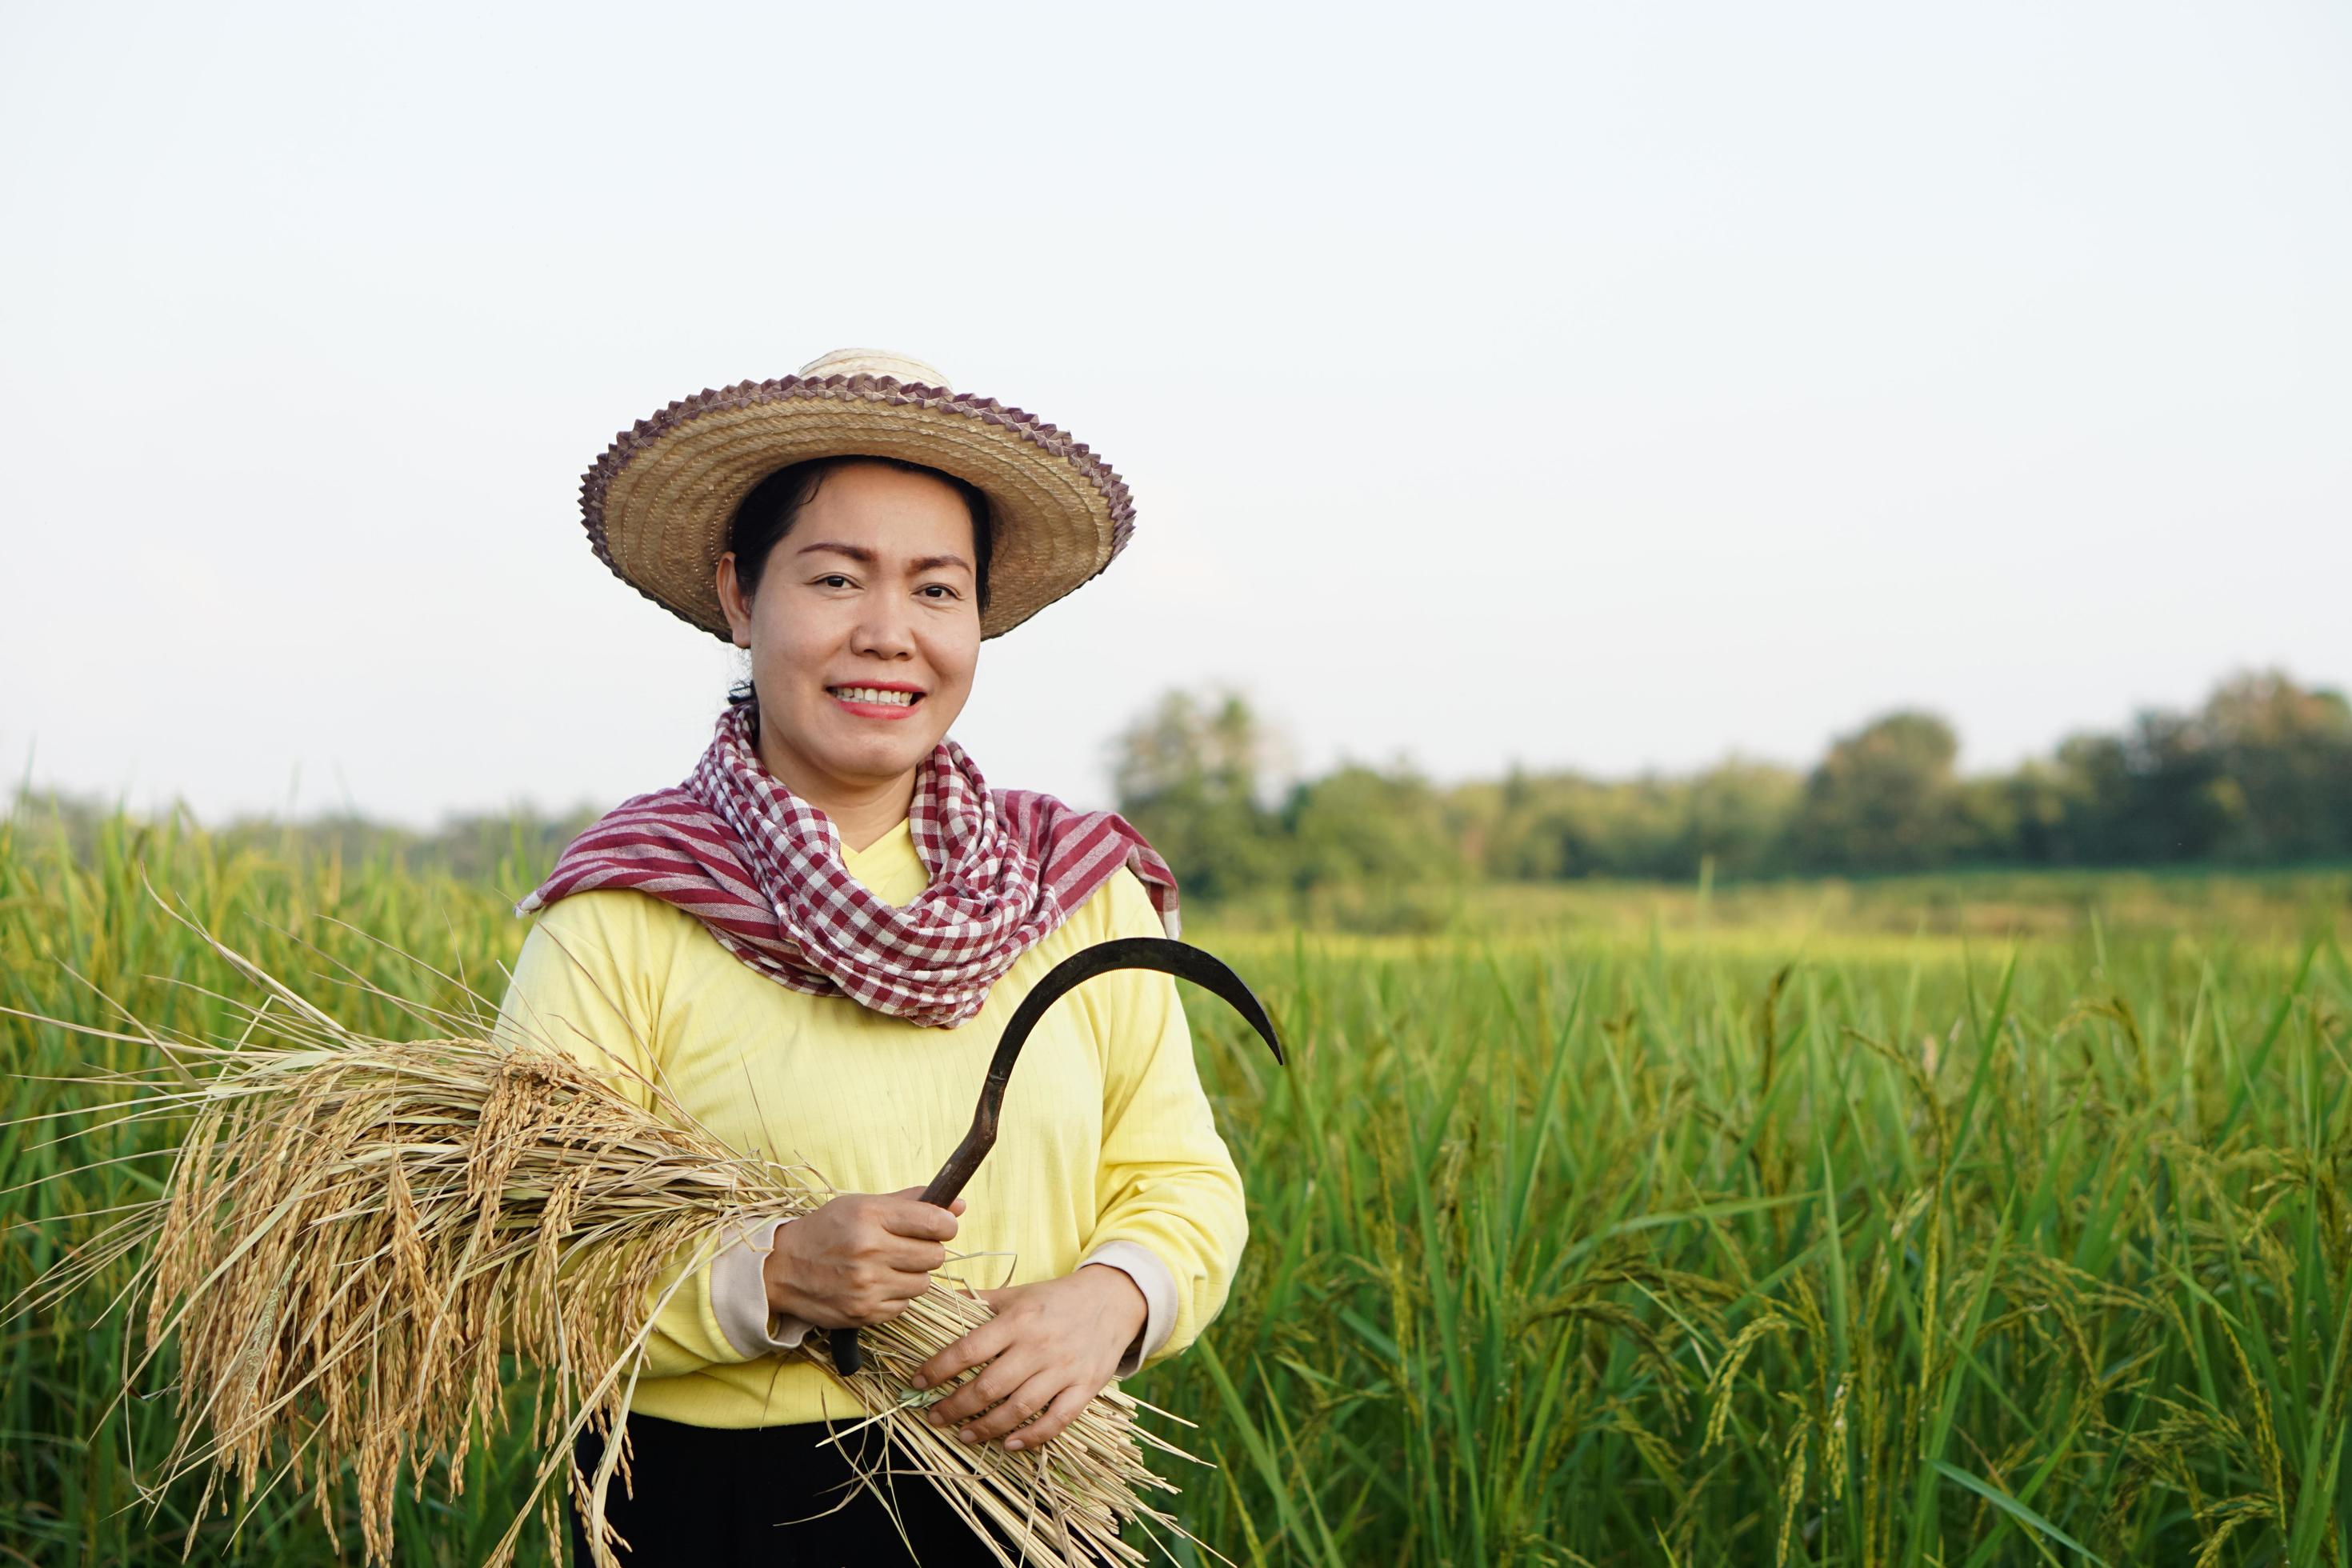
{"x": 864, "y": 818}
{"x": 861, "y": 810}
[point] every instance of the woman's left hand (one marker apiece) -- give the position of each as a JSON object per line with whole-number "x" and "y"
{"x": 1050, "y": 1348}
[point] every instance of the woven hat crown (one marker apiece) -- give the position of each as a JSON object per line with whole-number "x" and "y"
{"x": 903, "y": 368}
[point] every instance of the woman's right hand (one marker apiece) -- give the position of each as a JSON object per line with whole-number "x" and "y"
{"x": 859, "y": 1259}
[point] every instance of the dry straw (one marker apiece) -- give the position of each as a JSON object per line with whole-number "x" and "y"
{"x": 354, "y": 1231}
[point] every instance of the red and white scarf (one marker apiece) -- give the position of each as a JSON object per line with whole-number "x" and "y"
{"x": 763, "y": 869}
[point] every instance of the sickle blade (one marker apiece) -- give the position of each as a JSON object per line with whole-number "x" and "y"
{"x": 1164, "y": 954}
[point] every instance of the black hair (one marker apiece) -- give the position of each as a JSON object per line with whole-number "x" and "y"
{"x": 768, "y": 513}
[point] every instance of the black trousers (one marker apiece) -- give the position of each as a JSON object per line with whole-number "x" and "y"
{"x": 705, "y": 1496}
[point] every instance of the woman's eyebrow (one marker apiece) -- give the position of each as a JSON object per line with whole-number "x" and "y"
{"x": 857, "y": 553}
{"x": 864, "y": 556}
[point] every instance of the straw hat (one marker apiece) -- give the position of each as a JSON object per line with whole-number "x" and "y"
{"x": 659, "y": 502}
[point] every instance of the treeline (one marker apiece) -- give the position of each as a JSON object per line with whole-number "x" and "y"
{"x": 506, "y": 849}
{"x": 2260, "y": 774}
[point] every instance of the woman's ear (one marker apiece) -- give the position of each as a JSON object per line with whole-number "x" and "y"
{"x": 731, "y": 600}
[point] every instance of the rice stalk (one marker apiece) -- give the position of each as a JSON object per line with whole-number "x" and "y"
{"x": 355, "y": 1235}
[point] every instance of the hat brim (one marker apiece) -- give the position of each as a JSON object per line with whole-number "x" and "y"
{"x": 659, "y": 502}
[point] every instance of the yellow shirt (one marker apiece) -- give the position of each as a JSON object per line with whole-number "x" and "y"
{"x": 1106, "y": 1140}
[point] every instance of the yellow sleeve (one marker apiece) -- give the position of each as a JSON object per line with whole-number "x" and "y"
{"x": 589, "y": 981}
{"x": 1167, "y": 1181}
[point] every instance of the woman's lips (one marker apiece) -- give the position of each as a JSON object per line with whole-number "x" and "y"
{"x": 876, "y": 702}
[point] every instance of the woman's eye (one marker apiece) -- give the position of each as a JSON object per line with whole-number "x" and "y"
{"x": 938, "y": 591}
{"x": 834, "y": 580}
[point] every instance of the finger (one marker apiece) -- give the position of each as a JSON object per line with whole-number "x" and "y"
{"x": 984, "y": 1343}
{"x": 1003, "y": 1299}
{"x": 909, "y": 1256}
{"x": 1023, "y": 1402}
{"x": 1059, "y": 1414}
{"x": 903, "y": 1285}
{"x": 979, "y": 1393}
{"x": 955, "y": 1207}
{"x": 991, "y": 1384}
{"x": 882, "y": 1309}
{"x": 924, "y": 1222}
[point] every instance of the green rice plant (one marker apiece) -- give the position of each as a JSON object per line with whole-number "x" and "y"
{"x": 1754, "y": 1230}
{"x": 362, "y": 1246}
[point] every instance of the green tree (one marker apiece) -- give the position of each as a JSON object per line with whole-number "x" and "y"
{"x": 2287, "y": 752}
{"x": 2045, "y": 804}
{"x": 1190, "y": 774}
{"x": 1884, "y": 799}
{"x": 1361, "y": 825}
{"x": 1737, "y": 814}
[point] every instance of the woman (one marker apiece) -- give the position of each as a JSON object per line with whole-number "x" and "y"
{"x": 814, "y": 941}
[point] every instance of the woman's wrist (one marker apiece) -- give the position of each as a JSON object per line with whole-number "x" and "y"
{"x": 741, "y": 1299}
{"x": 1124, "y": 1302}
{"x": 1144, "y": 1268}
{"x": 776, "y": 1280}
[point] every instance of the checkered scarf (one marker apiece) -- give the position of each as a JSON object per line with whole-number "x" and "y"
{"x": 762, "y": 868}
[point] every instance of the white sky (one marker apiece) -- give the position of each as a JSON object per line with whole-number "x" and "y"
{"x": 1605, "y": 387}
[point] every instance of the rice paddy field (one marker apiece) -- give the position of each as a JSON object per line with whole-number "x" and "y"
{"x": 1984, "y": 1220}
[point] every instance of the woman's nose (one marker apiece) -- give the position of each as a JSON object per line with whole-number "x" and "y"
{"x": 886, "y": 630}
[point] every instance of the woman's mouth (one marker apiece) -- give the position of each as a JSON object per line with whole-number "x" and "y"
{"x": 876, "y": 701}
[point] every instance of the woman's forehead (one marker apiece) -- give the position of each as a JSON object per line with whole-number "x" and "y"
{"x": 862, "y": 484}
{"x": 873, "y": 512}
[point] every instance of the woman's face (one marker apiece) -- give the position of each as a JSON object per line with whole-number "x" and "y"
{"x": 864, "y": 631}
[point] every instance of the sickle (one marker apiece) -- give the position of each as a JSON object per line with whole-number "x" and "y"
{"x": 1169, "y": 957}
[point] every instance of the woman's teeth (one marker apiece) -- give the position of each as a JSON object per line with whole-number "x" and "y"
{"x": 874, "y": 694}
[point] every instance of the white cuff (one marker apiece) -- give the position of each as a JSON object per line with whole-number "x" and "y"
{"x": 739, "y": 1296}
{"x": 1158, "y": 1287}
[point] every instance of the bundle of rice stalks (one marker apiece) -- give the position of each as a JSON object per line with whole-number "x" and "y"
{"x": 355, "y": 1231}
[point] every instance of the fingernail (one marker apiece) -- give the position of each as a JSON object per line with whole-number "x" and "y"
{"x": 969, "y": 1436}
{"x": 1010, "y": 1444}
{"x": 918, "y": 1381}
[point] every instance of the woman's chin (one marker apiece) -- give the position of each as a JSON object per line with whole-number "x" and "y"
{"x": 877, "y": 758}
